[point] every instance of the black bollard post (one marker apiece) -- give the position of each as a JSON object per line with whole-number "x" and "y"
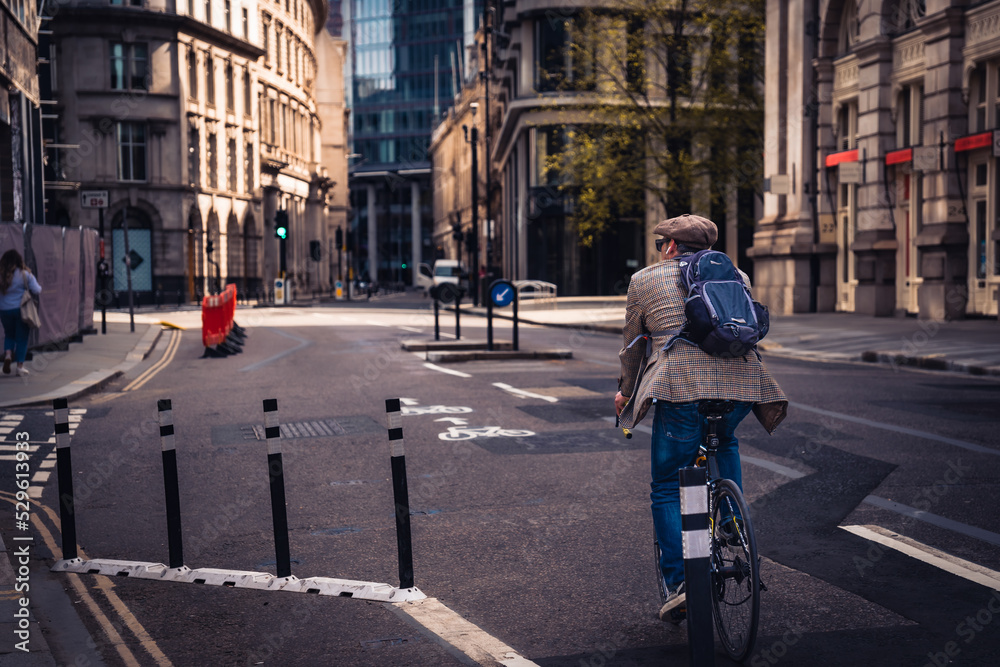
{"x": 437, "y": 324}
{"x": 64, "y": 468}
{"x": 171, "y": 486}
{"x": 697, "y": 539}
{"x": 489, "y": 323}
{"x": 404, "y": 545}
{"x": 516, "y": 299}
{"x": 272, "y": 431}
{"x": 458, "y": 312}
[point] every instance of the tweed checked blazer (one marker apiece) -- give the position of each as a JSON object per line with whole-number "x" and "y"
{"x": 683, "y": 373}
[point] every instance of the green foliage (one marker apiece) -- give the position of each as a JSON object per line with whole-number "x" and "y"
{"x": 678, "y": 111}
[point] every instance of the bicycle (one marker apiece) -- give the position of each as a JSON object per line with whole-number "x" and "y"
{"x": 735, "y": 567}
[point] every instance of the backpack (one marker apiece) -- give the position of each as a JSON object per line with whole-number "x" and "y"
{"x": 722, "y": 317}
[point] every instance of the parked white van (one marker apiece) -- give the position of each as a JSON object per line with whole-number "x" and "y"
{"x": 448, "y": 271}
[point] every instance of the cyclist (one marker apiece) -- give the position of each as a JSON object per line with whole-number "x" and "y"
{"x": 674, "y": 380}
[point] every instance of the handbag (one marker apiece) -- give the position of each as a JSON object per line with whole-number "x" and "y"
{"x": 29, "y": 311}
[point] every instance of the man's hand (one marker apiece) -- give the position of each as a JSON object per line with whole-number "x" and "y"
{"x": 620, "y": 403}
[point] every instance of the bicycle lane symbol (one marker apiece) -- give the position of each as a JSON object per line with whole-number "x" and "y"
{"x": 460, "y": 430}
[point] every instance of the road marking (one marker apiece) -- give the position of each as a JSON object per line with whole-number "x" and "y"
{"x": 260, "y": 364}
{"x": 447, "y": 370}
{"x": 922, "y": 552}
{"x": 972, "y": 447}
{"x": 105, "y": 587}
{"x": 524, "y": 394}
{"x": 935, "y": 520}
{"x": 470, "y": 639}
{"x": 168, "y": 356}
{"x": 411, "y": 329}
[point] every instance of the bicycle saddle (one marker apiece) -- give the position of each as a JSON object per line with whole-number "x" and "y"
{"x": 713, "y": 407}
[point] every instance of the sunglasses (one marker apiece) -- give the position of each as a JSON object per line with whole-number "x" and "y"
{"x": 660, "y": 243}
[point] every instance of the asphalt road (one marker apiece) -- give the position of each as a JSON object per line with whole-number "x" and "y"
{"x": 543, "y": 541}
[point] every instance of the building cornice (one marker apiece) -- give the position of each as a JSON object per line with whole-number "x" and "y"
{"x": 116, "y": 18}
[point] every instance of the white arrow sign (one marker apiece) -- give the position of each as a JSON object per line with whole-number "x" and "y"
{"x": 409, "y": 401}
{"x": 454, "y": 420}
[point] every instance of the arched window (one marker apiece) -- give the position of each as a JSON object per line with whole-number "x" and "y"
{"x": 850, "y": 28}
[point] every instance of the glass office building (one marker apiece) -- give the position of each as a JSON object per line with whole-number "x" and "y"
{"x": 406, "y": 61}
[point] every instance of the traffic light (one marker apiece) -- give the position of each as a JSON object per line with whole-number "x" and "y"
{"x": 315, "y": 250}
{"x": 340, "y": 238}
{"x": 281, "y": 224}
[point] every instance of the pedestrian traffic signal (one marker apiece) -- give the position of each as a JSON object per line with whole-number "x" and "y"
{"x": 281, "y": 224}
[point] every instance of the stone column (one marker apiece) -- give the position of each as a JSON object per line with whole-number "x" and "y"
{"x": 874, "y": 245}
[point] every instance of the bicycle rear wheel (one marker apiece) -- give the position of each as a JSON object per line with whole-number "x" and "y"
{"x": 735, "y": 571}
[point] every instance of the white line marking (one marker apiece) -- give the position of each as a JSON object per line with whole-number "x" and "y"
{"x": 470, "y": 639}
{"x": 972, "y": 447}
{"x": 934, "y": 519}
{"x": 524, "y": 394}
{"x": 411, "y": 329}
{"x": 945, "y": 561}
{"x": 773, "y": 467}
{"x": 41, "y": 476}
{"x": 373, "y": 323}
{"x": 447, "y": 370}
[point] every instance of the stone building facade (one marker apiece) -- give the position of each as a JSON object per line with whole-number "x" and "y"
{"x": 201, "y": 121}
{"x": 881, "y": 163}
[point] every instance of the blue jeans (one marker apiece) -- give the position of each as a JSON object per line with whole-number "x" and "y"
{"x": 15, "y": 334}
{"x": 677, "y": 433}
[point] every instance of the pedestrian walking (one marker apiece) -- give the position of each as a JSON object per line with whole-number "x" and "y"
{"x": 15, "y": 278}
{"x": 674, "y": 378}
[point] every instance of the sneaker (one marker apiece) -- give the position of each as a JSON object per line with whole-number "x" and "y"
{"x": 6, "y": 365}
{"x": 21, "y": 372}
{"x": 730, "y": 531}
{"x": 675, "y": 608}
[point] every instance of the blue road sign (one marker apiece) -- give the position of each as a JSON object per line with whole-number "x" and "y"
{"x": 502, "y": 294}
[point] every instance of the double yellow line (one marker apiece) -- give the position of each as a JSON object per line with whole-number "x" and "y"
{"x": 106, "y": 586}
{"x": 168, "y": 356}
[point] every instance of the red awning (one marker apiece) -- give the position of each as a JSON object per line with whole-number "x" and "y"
{"x": 900, "y": 156}
{"x": 833, "y": 159}
{"x": 974, "y": 141}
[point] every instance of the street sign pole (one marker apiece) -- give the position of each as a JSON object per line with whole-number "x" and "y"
{"x": 102, "y": 276}
{"x": 128, "y": 272}
{"x": 99, "y": 199}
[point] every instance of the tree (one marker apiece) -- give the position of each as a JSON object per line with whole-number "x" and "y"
{"x": 675, "y": 108}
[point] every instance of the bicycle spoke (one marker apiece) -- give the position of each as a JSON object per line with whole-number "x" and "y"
{"x": 735, "y": 572}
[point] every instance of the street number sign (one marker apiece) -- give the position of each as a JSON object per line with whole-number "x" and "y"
{"x": 94, "y": 198}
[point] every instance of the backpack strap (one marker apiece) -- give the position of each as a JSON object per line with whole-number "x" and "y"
{"x": 649, "y": 340}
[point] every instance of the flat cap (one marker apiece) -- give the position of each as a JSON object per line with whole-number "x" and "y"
{"x": 692, "y": 230}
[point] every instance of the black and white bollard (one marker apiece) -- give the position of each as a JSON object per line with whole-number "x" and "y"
{"x": 404, "y": 545}
{"x": 64, "y": 469}
{"x": 276, "y": 473}
{"x": 696, "y": 538}
{"x": 437, "y": 324}
{"x": 171, "y": 486}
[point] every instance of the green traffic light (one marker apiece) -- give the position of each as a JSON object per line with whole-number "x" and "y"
{"x": 281, "y": 232}
{"x": 404, "y": 265}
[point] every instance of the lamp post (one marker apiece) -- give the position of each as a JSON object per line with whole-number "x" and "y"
{"x": 474, "y": 140}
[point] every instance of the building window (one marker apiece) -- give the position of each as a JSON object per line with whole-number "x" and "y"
{"x": 212, "y": 157}
{"x": 129, "y": 66}
{"x": 208, "y": 12}
{"x": 231, "y": 163}
{"x": 910, "y": 116}
{"x": 230, "y": 89}
{"x": 248, "y": 165}
{"x": 131, "y": 151}
{"x": 192, "y": 73}
{"x": 246, "y": 25}
{"x": 266, "y": 30}
{"x": 194, "y": 157}
{"x": 191, "y": 8}
{"x": 279, "y": 44}
{"x": 209, "y": 79}
{"x": 558, "y": 65}
{"x": 247, "y": 93}
{"x": 229, "y": 16}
